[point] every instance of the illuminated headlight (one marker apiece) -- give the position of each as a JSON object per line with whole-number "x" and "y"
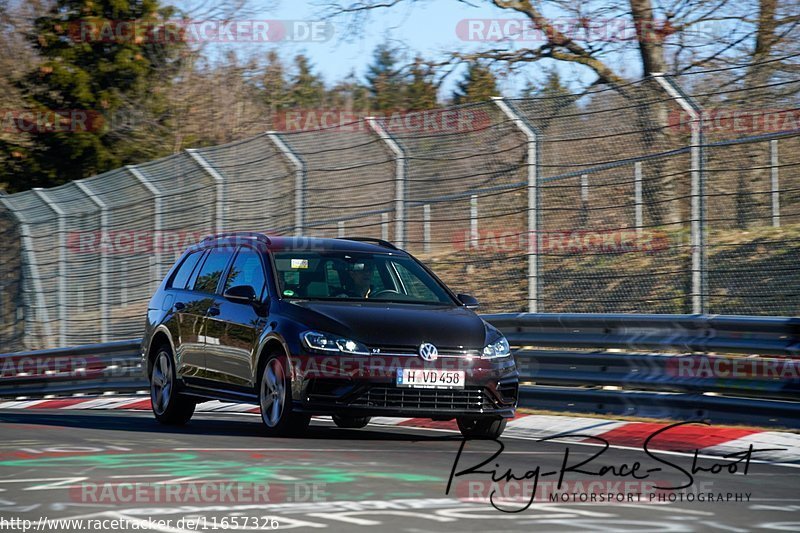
{"x": 498, "y": 348}
{"x": 325, "y": 342}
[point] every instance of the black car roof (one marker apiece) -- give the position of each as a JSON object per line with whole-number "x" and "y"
{"x": 297, "y": 243}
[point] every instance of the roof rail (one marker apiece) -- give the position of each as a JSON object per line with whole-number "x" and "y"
{"x": 239, "y": 235}
{"x": 379, "y": 242}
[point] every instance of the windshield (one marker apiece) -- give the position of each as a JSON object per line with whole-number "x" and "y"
{"x": 358, "y": 276}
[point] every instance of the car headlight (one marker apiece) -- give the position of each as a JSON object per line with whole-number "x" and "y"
{"x": 325, "y": 342}
{"x": 498, "y": 348}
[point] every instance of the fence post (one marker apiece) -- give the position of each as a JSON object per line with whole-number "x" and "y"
{"x": 123, "y": 282}
{"x": 385, "y": 226}
{"x": 473, "y": 222}
{"x": 637, "y": 194}
{"x": 584, "y": 214}
{"x": 157, "y": 218}
{"x": 299, "y": 181}
{"x": 399, "y": 177}
{"x": 585, "y": 190}
{"x": 62, "y": 264}
{"x": 426, "y": 228}
{"x": 534, "y": 211}
{"x": 775, "y": 185}
{"x": 340, "y": 231}
{"x": 698, "y": 219}
{"x": 104, "y": 307}
{"x": 220, "y": 188}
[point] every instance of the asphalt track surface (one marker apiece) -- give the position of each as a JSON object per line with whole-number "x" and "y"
{"x": 76, "y": 464}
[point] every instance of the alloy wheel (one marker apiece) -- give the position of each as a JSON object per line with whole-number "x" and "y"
{"x": 161, "y": 383}
{"x": 273, "y": 392}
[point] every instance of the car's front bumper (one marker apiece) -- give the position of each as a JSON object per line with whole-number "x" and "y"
{"x": 364, "y": 386}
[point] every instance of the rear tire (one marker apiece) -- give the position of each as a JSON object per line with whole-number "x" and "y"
{"x": 481, "y": 428}
{"x": 169, "y": 406}
{"x": 275, "y": 400}
{"x": 351, "y": 422}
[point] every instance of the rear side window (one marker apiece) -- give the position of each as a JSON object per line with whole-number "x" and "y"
{"x": 185, "y": 270}
{"x": 247, "y": 269}
{"x": 210, "y": 273}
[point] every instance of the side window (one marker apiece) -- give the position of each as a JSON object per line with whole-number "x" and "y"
{"x": 414, "y": 286}
{"x": 185, "y": 270}
{"x": 210, "y": 273}
{"x": 247, "y": 269}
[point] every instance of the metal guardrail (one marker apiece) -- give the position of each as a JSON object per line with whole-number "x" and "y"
{"x": 754, "y": 377}
{"x": 90, "y": 369}
{"x": 670, "y": 333}
{"x": 721, "y": 368}
{"x": 675, "y": 406}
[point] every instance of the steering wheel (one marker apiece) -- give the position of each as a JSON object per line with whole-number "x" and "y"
{"x": 384, "y": 292}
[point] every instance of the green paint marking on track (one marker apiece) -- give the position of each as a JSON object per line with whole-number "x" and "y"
{"x": 190, "y": 465}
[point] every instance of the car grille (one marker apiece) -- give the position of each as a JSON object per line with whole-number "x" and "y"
{"x": 468, "y": 399}
{"x": 414, "y": 351}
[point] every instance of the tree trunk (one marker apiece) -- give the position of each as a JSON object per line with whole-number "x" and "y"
{"x": 650, "y": 38}
{"x": 652, "y": 117}
{"x": 755, "y": 97}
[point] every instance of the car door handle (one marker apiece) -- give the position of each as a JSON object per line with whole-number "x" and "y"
{"x": 212, "y": 311}
{"x": 179, "y": 306}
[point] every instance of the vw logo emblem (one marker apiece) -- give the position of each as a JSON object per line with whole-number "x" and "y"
{"x": 428, "y": 351}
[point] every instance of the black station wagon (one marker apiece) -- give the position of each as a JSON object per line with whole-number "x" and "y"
{"x": 350, "y": 328}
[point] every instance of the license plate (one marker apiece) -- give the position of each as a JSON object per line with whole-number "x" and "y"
{"x": 430, "y": 379}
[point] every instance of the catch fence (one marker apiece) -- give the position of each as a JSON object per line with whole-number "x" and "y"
{"x": 666, "y": 195}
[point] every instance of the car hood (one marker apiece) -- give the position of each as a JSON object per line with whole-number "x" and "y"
{"x": 381, "y": 324}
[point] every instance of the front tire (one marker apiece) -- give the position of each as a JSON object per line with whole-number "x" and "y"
{"x": 481, "y": 428}
{"x": 351, "y": 422}
{"x": 169, "y": 407}
{"x": 275, "y": 399}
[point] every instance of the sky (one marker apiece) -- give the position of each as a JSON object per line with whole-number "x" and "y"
{"x": 425, "y": 27}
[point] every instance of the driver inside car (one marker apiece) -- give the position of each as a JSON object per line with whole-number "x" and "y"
{"x": 357, "y": 280}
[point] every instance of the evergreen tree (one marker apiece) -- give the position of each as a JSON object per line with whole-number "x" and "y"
{"x": 479, "y": 85}
{"x": 552, "y": 97}
{"x": 420, "y": 91}
{"x": 276, "y": 90}
{"x": 307, "y": 90}
{"x": 552, "y": 87}
{"x": 95, "y": 73}
{"x": 385, "y": 79}
{"x": 350, "y": 95}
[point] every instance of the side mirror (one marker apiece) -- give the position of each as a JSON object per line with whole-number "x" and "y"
{"x": 241, "y": 294}
{"x": 469, "y": 301}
